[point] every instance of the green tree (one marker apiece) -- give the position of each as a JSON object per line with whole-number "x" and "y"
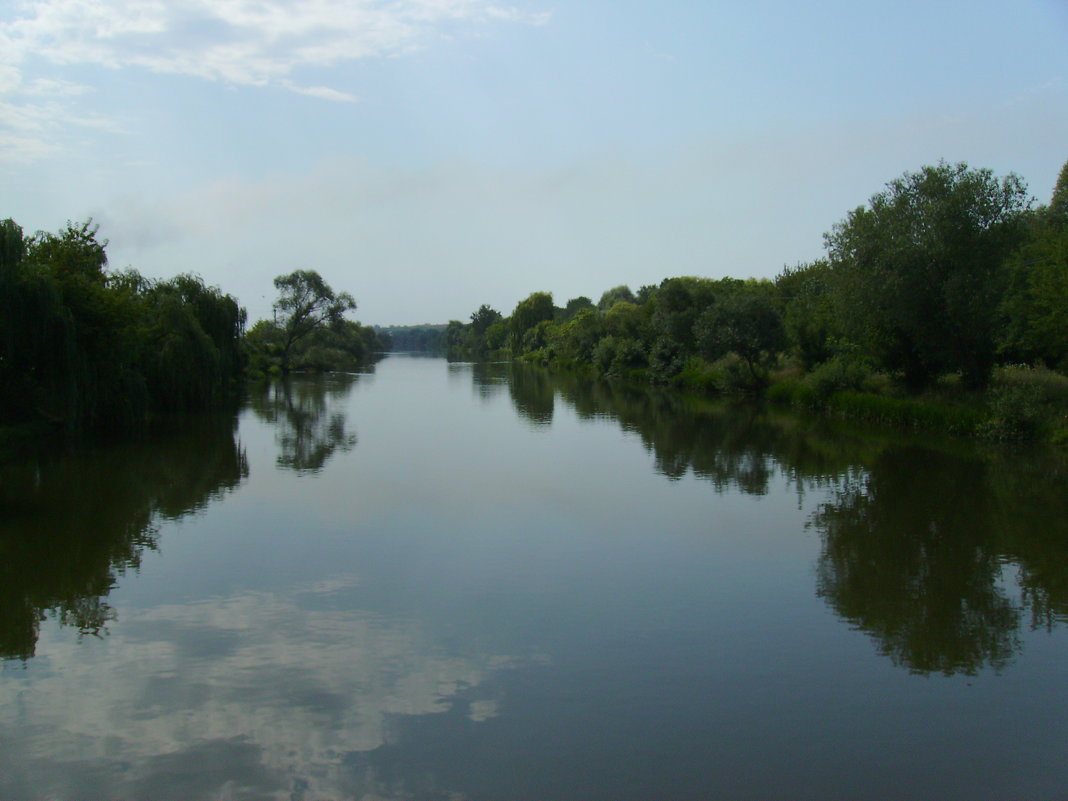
{"x": 575, "y": 305}
{"x": 1058, "y": 206}
{"x": 745, "y": 322}
{"x": 613, "y": 296}
{"x": 537, "y": 307}
{"x": 808, "y": 312}
{"x": 484, "y": 318}
{"x": 306, "y": 303}
{"x": 919, "y": 271}
{"x": 1036, "y": 306}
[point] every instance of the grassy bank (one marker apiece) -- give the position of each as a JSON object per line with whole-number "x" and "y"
{"x": 1021, "y": 403}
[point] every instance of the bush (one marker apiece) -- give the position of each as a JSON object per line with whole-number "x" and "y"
{"x": 1015, "y": 413}
{"x": 699, "y": 375}
{"x": 1051, "y": 387}
{"x": 836, "y": 375}
{"x": 732, "y": 376}
{"x": 792, "y": 392}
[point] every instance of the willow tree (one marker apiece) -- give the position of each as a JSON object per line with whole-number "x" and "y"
{"x": 306, "y": 303}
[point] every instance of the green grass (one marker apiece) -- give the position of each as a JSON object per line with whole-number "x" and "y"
{"x": 907, "y": 412}
{"x": 1021, "y": 404}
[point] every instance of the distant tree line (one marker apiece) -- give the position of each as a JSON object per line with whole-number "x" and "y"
{"x": 424, "y": 338}
{"x": 949, "y": 271}
{"x": 82, "y": 348}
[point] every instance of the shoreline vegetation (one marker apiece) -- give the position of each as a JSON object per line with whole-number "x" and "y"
{"x": 941, "y": 304}
{"x": 89, "y": 352}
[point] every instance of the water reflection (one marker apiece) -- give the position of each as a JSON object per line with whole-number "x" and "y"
{"x": 911, "y": 556}
{"x": 941, "y": 556}
{"x": 310, "y": 424}
{"x": 733, "y": 446}
{"x": 488, "y": 378}
{"x": 70, "y": 525}
{"x": 600, "y": 632}
{"x": 278, "y": 695}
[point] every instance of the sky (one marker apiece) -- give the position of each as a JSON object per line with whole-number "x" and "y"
{"x": 429, "y": 156}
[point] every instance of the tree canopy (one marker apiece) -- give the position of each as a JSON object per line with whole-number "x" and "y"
{"x": 919, "y": 269}
{"x": 305, "y": 304}
{"x": 83, "y": 348}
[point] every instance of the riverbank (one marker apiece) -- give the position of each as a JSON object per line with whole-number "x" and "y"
{"x": 1021, "y": 403}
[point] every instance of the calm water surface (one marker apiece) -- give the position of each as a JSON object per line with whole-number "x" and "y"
{"x": 473, "y": 582}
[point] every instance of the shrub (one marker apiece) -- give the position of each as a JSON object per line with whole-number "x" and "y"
{"x": 836, "y": 375}
{"x": 792, "y": 392}
{"x": 1015, "y": 413}
{"x": 733, "y": 376}
{"x": 698, "y": 374}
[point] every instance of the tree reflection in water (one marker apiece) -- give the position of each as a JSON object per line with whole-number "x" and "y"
{"x": 941, "y": 554}
{"x": 910, "y": 556}
{"x": 310, "y": 426}
{"x": 71, "y": 524}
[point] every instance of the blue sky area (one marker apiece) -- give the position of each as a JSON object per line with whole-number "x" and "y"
{"x": 429, "y": 156}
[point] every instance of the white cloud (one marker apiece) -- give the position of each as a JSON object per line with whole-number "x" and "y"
{"x": 245, "y": 42}
{"x": 323, "y": 93}
{"x": 240, "y": 42}
{"x": 27, "y": 130}
{"x": 55, "y": 88}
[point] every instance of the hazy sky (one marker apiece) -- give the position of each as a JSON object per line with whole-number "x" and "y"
{"x": 429, "y": 156}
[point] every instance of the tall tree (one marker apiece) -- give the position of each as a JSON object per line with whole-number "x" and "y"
{"x": 919, "y": 270}
{"x": 745, "y": 322}
{"x": 484, "y": 318}
{"x": 305, "y": 304}
{"x": 615, "y": 295}
{"x": 536, "y": 308}
{"x": 1036, "y": 305}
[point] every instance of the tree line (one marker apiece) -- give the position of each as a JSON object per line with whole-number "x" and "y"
{"x": 942, "y": 276}
{"x": 83, "y": 348}
{"x": 425, "y": 338}
{"x": 947, "y": 272}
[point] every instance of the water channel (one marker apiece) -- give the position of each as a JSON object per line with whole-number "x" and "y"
{"x": 464, "y": 582}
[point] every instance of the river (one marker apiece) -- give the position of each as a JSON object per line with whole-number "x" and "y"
{"x": 465, "y": 582}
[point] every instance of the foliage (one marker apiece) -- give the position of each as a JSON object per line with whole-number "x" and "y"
{"x": 345, "y": 346}
{"x": 306, "y": 304}
{"x": 809, "y": 321}
{"x": 575, "y": 305}
{"x": 918, "y": 272}
{"x": 536, "y": 308}
{"x": 310, "y": 331}
{"x": 619, "y": 294}
{"x": 83, "y": 349}
{"x": 745, "y": 322}
{"x": 941, "y": 273}
{"x": 1015, "y": 413}
{"x": 835, "y": 375}
{"x": 482, "y": 319}
{"x": 1036, "y": 305}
